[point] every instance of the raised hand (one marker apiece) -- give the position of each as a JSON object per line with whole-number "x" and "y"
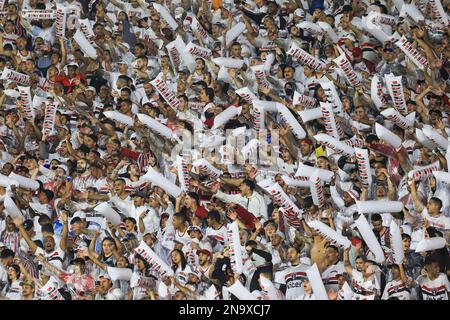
{"x": 64, "y": 217}
{"x": 18, "y": 221}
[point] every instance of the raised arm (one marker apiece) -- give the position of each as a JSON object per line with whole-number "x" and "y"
{"x": 118, "y": 4}
{"x": 347, "y": 264}
{"x": 91, "y": 249}
{"x": 19, "y": 224}
{"x": 417, "y": 203}
{"x": 65, "y": 231}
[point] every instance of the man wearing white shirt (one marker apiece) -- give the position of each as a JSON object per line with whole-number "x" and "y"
{"x": 249, "y": 199}
{"x": 148, "y": 217}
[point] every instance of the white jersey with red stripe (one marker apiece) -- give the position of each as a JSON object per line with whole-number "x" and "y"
{"x": 219, "y": 234}
{"x": 398, "y": 289}
{"x": 293, "y": 277}
{"x": 83, "y": 183}
{"x": 182, "y": 237}
{"x": 103, "y": 185}
{"x": 364, "y": 289}
{"x": 436, "y": 289}
{"x": 331, "y": 274}
{"x": 23, "y": 57}
{"x": 440, "y": 222}
{"x": 204, "y": 270}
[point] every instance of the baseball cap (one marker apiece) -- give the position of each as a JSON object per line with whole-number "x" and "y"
{"x": 299, "y": 12}
{"x": 73, "y": 64}
{"x": 129, "y": 237}
{"x": 27, "y": 224}
{"x": 349, "y": 36}
{"x": 194, "y": 228}
{"x": 91, "y": 88}
{"x": 106, "y": 276}
{"x": 80, "y": 214}
{"x": 218, "y": 23}
{"x": 82, "y": 245}
{"x": 75, "y": 220}
{"x": 204, "y": 251}
{"x": 308, "y": 141}
{"x": 138, "y": 194}
{"x": 354, "y": 194}
{"x": 178, "y": 12}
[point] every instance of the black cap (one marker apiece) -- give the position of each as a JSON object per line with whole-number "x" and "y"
{"x": 129, "y": 237}
{"x": 28, "y": 224}
{"x": 75, "y": 220}
{"x": 347, "y": 8}
{"x": 50, "y": 195}
{"x": 138, "y": 194}
{"x": 130, "y": 219}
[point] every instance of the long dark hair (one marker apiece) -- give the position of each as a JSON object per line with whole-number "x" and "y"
{"x": 146, "y": 264}
{"x": 183, "y": 260}
{"x": 102, "y": 254}
{"x": 17, "y": 269}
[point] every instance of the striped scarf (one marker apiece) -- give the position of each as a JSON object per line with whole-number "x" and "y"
{"x": 11, "y": 240}
{"x": 142, "y": 161}
{"x": 29, "y": 265}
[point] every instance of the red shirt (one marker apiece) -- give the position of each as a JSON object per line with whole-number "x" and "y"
{"x": 69, "y": 82}
{"x": 201, "y": 212}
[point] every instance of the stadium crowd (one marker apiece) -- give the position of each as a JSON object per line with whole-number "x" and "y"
{"x": 200, "y": 150}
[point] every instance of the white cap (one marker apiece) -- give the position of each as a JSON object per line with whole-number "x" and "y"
{"x": 348, "y": 35}
{"x": 353, "y": 194}
{"x": 80, "y": 214}
{"x": 90, "y": 88}
{"x": 82, "y": 245}
{"x": 299, "y": 12}
{"x": 71, "y": 64}
{"x": 178, "y": 12}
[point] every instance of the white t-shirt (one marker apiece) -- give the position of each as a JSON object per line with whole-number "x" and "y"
{"x": 436, "y": 289}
